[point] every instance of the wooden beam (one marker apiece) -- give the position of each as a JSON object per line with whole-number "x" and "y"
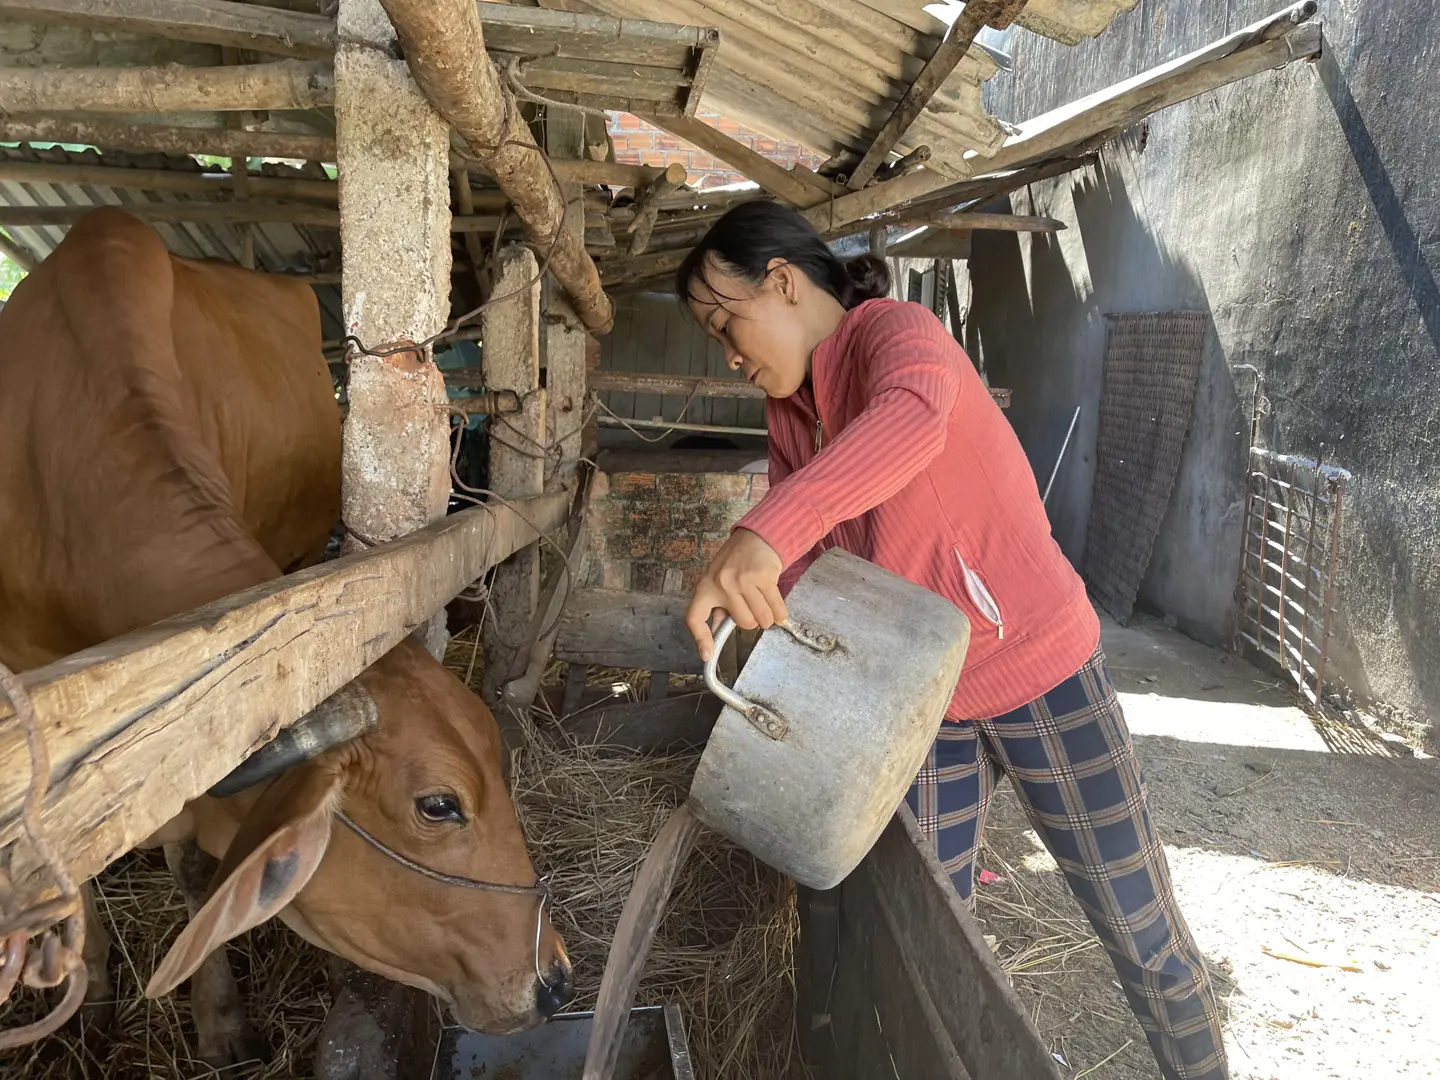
{"x": 1264, "y": 45}
{"x": 632, "y": 382}
{"x": 207, "y": 212}
{"x": 214, "y": 22}
{"x": 139, "y": 725}
{"x": 647, "y": 206}
{"x": 284, "y": 84}
{"x": 325, "y": 192}
{"x": 667, "y": 725}
{"x": 445, "y": 48}
{"x": 791, "y": 187}
{"x": 627, "y": 630}
{"x": 966, "y": 222}
{"x": 18, "y": 253}
{"x": 976, "y": 15}
{"x": 980, "y": 189}
{"x": 118, "y": 135}
{"x": 520, "y": 693}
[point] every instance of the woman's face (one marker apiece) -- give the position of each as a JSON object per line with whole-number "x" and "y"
{"x": 764, "y": 328}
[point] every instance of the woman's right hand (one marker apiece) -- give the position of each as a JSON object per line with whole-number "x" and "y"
{"x": 743, "y": 581}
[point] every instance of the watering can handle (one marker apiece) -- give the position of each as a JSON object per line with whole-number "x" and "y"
{"x": 762, "y": 719}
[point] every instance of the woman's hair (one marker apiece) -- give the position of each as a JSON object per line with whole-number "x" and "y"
{"x": 743, "y": 242}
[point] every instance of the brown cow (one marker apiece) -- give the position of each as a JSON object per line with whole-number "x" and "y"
{"x": 169, "y": 435}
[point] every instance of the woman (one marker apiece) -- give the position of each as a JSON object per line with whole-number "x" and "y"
{"x": 884, "y": 442}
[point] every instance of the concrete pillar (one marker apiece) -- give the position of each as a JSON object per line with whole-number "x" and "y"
{"x": 395, "y": 237}
{"x": 392, "y": 153}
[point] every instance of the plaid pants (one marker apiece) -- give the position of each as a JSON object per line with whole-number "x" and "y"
{"x": 1070, "y": 759}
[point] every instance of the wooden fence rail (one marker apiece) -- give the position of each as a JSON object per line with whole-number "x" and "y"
{"x": 141, "y": 724}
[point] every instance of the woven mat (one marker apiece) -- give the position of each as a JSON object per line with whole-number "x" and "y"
{"x": 1152, "y": 362}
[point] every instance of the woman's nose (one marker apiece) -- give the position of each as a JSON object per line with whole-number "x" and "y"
{"x": 734, "y": 360}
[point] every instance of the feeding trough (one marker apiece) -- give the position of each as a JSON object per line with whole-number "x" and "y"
{"x": 654, "y": 1049}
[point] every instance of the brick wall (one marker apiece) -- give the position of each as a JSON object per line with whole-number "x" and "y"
{"x": 655, "y": 532}
{"x": 637, "y": 143}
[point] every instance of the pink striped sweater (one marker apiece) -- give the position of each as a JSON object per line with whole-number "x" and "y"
{"x": 900, "y": 456}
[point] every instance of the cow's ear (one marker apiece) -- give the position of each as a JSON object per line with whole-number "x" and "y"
{"x": 273, "y": 855}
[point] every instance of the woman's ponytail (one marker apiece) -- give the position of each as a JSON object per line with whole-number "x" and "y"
{"x": 866, "y": 278}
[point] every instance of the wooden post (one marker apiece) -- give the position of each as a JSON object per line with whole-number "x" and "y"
{"x": 562, "y": 334}
{"x": 511, "y": 357}
{"x": 647, "y": 206}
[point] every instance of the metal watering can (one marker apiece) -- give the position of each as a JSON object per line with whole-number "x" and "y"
{"x": 831, "y": 718}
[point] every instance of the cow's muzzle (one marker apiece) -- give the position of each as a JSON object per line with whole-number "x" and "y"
{"x": 346, "y": 714}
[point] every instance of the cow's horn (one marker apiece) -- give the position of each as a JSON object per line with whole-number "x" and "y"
{"x": 346, "y": 714}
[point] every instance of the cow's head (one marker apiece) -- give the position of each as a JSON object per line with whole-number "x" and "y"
{"x": 425, "y": 783}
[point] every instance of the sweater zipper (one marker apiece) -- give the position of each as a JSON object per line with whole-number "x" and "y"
{"x": 819, "y": 435}
{"x": 981, "y": 597}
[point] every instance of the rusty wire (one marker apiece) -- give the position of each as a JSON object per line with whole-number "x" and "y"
{"x": 54, "y": 958}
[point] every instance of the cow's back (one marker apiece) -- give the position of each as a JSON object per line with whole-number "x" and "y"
{"x": 168, "y": 434}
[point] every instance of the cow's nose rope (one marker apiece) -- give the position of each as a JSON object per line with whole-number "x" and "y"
{"x": 541, "y": 888}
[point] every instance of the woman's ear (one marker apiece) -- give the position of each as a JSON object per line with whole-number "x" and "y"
{"x": 780, "y": 275}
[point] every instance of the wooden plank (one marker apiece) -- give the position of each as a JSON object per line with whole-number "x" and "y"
{"x": 208, "y": 212}
{"x": 679, "y": 385}
{"x": 517, "y": 456}
{"x": 215, "y": 22}
{"x": 284, "y": 84}
{"x": 117, "y": 135}
{"x": 627, "y": 630}
{"x": 665, "y": 726}
{"x": 139, "y": 725}
{"x": 781, "y": 182}
{"x": 881, "y": 1019}
{"x": 976, "y": 15}
{"x": 940, "y": 943}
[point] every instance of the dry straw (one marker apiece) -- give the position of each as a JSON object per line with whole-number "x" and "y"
{"x": 725, "y": 951}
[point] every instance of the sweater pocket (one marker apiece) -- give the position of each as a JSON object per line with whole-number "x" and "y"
{"x": 980, "y": 596}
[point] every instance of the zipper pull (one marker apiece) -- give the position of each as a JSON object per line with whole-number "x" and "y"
{"x": 819, "y": 435}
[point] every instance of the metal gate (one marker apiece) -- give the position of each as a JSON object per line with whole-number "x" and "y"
{"x": 1286, "y": 598}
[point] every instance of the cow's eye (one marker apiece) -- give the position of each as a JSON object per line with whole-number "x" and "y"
{"x": 440, "y": 808}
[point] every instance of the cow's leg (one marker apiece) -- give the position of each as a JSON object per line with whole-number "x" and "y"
{"x": 225, "y": 1035}
{"x": 99, "y": 1008}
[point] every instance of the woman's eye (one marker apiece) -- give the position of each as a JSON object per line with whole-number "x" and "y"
{"x": 440, "y": 808}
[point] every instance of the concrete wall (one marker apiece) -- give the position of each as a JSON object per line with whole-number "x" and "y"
{"x": 1301, "y": 211}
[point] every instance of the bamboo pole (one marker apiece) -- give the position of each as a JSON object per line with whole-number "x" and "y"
{"x": 168, "y": 139}
{"x": 212, "y": 22}
{"x": 141, "y": 724}
{"x": 445, "y": 49}
{"x": 230, "y": 213}
{"x": 967, "y": 222}
{"x": 284, "y": 84}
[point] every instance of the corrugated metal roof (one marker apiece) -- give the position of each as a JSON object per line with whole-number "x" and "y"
{"x": 828, "y": 73}
{"x": 279, "y": 248}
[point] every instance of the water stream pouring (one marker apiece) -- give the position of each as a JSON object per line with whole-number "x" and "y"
{"x": 821, "y": 736}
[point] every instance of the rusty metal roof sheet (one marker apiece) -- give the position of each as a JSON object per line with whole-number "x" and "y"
{"x": 828, "y": 73}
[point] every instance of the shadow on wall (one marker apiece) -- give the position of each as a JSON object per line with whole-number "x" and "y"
{"x": 1040, "y": 303}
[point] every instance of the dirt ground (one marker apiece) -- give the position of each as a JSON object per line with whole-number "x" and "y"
{"x": 1306, "y": 857}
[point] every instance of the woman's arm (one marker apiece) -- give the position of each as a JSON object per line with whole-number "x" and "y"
{"x": 911, "y": 383}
